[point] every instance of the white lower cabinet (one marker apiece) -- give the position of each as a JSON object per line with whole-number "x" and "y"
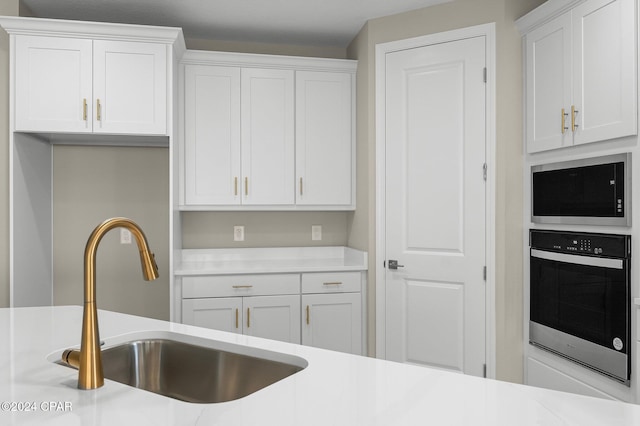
{"x": 257, "y": 305}
{"x": 271, "y": 317}
{"x": 332, "y": 311}
{"x": 323, "y": 310}
{"x": 332, "y": 321}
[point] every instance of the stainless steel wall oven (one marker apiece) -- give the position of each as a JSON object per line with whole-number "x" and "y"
{"x": 580, "y": 299}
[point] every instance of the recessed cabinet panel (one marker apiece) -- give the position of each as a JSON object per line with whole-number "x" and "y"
{"x": 332, "y": 321}
{"x": 68, "y": 85}
{"x": 130, "y": 87}
{"x": 604, "y": 82}
{"x": 323, "y": 138}
{"x": 212, "y": 135}
{"x": 273, "y": 317}
{"x": 267, "y": 133}
{"x": 581, "y": 76}
{"x": 217, "y": 313}
{"x": 267, "y": 136}
{"x": 53, "y": 84}
{"x": 548, "y": 85}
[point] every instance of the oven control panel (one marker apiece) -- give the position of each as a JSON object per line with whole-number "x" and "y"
{"x": 606, "y": 245}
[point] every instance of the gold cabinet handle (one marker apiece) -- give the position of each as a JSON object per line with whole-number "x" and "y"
{"x": 237, "y": 313}
{"x": 84, "y": 109}
{"x": 301, "y": 193}
{"x": 248, "y": 317}
{"x": 574, "y": 111}
{"x": 307, "y": 314}
{"x": 98, "y": 110}
{"x": 564, "y": 128}
{"x": 246, "y": 186}
{"x": 333, "y": 283}
{"x": 235, "y": 185}
{"x": 241, "y": 286}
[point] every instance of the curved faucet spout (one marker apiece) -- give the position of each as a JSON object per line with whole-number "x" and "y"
{"x": 90, "y": 374}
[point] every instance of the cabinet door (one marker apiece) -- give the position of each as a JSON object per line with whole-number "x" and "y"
{"x": 604, "y": 70}
{"x": 222, "y": 313}
{"x": 212, "y": 135}
{"x": 130, "y": 87}
{"x": 548, "y": 85}
{"x": 333, "y": 321}
{"x": 267, "y": 136}
{"x": 273, "y": 317}
{"x": 324, "y": 148}
{"x": 52, "y": 84}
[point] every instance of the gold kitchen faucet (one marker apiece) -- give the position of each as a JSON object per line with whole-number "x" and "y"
{"x": 88, "y": 359}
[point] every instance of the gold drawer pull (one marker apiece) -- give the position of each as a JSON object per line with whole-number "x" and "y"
{"x": 574, "y": 111}
{"x": 236, "y": 317}
{"x": 563, "y": 128}
{"x": 248, "y": 317}
{"x": 333, "y": 283}
{"x": 84, "y": 109}
{"x": 99, "y": 110}
{"x": 246, "y": 186}
{"x": 235, "y": 185}
{"x": 242, "y": 286}
{"x": 307, "y": 314}
{"x": 301, "y": 193}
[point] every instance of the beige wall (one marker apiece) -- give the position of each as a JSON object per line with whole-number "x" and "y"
{"x": 454, "y": 15}
{"x": 94, "y": 183}
{"x": 8, "y": 8}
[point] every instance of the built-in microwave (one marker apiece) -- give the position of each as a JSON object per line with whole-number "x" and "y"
{"x": 591, "y": 191}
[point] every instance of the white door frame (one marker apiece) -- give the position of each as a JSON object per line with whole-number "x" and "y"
{"x": 488, "y": 31}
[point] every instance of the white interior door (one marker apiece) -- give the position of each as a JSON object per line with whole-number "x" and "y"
{"x": 435, "y": 205}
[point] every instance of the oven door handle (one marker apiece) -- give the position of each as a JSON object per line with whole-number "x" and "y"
{"x": 601, "y": 262}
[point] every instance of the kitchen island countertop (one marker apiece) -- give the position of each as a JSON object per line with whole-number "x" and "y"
{"x": 335, "y": 388}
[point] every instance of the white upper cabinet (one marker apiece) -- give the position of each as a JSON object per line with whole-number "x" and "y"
{"x": 129, "y": 87}
{"x": 212, "y": 135}
{"x": 324, "y": 149}
{"x": 267, "y": 136}
{"x": 267, "y": 133}
{"x": 548, "y": 76}
{"x": 80, "y": 85}
{"x": 53, "y": 84}
{"x": 604, "y": 70}
{"x": 581, "y": 76}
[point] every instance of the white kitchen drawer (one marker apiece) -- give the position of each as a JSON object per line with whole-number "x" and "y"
{"x": 240, "y": 285}
{"x": 331, "y": 282}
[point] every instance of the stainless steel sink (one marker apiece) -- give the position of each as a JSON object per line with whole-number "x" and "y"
{"x": 190, "y": 372}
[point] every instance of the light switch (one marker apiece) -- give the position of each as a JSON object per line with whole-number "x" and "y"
{"x": 316, "y": 232}
{"x": 125, "y": 236}
{"x": 238, "y": 233}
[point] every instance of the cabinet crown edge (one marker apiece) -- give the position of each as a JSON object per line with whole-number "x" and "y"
{"x": 17, "y": 25}
{"x": 258, "y": 60}
{"x": 544, "y": 13}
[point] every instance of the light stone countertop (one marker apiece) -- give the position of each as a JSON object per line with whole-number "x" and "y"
{"x": 269, "y": 260}
{"x": 335, "y": 388}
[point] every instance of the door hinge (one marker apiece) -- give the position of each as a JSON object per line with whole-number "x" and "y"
{"x": 484, "y": 273}
{"x": 484, "y": 74}
{"x": 484, "y": 171}
{"x": 484, "y": 370}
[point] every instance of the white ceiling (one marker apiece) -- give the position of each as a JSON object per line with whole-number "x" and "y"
{"x": 305, "y": 22}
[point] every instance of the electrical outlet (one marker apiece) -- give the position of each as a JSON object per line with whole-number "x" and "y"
{"x": 316, "y": 232}
{"x": 238, "y": 233}
{"x": 125, "y": 236}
